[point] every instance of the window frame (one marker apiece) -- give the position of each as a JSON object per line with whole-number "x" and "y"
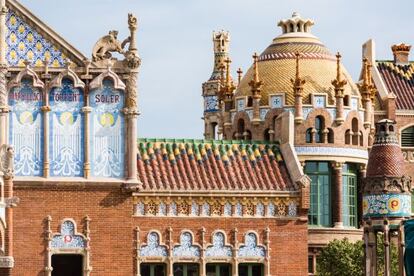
{"x": 350, "y": 195}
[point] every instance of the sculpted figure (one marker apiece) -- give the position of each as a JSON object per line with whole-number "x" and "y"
{"x": 107, "y": 44}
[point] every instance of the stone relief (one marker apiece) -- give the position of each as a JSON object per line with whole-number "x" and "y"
{"x": 106, "y": 45}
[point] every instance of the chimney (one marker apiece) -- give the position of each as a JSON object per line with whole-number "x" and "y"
{"x": 401, "y": 52}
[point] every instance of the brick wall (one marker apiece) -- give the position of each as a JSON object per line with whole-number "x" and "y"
{"x": 112, "y": 230}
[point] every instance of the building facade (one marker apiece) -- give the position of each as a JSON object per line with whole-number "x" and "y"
{"x": 81, "y": 195}
{"x": 332, "y": 126}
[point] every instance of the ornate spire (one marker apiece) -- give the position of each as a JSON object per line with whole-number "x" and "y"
{"x": 297, "y": 82}
{"x": 339, "y": 83}
{"x": 366, "y": 85}
{"x": 227, "y": 86}
{"x": 256, "y": 84}
{"x": 239, "y": 75}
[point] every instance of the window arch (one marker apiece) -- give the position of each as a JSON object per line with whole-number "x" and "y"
{"x": 266, "y": 135}
{"x": 240, "y": 127}
{"x": 361, "y": 138}
{"x": 407, "y": 137}
{"x": 309, "y": 135}
{"x": 355, "y": 131}
{"x": 249, "y": 101}
{"x": 348, "y": 137}
{"x": 319, "y": 127}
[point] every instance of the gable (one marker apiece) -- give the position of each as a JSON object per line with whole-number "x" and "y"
{"x": 30, "y": 39}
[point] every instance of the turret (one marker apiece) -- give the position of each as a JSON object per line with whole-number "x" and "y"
{"x": 211, "y": 87}
{"x": 339, "y": 85}
{"x": 298, "y": 83}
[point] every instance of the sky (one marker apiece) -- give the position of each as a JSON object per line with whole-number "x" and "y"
{"x": 175, "y": 42}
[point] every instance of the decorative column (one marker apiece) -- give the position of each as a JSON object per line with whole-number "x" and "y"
{"x": 298, "y": 92}
{"x": 401, "y": 249}
{"x": 131, "y": 109}
{"x": 170, "y": 261}
{"x": 87, "y": 232}
{"x": 235, "y": 263}
{"x": 137, "y": 249}
{"x": 339, "y": 85}
{"x": 267, "y": 244}
{"x": 45, "y": 110}
{"x": 48, "y": 239}
{"x": 227, "y": 93}
{"x": 387, "y": 249}
{"x": 203, "y": 251}
{"x": 4, "y": 107}
{"x": 256, "y": 86}
{"x": 337, "y": 214}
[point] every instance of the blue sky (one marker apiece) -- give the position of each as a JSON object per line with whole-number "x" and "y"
{"x": 174, "y": 40}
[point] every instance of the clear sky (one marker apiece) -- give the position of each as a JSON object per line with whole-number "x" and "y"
{"x": 174, "y": 40}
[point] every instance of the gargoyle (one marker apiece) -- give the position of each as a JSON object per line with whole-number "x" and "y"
{"x": 107, "y": 44}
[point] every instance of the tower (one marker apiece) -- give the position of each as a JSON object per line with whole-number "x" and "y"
{"x": 211, "y": 87}
{"x": 386, "y": 198}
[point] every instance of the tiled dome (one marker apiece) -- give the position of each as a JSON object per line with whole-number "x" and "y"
{"x": 277, "y": 64}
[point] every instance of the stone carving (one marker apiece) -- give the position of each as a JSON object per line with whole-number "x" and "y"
{"x": 153, "y": 247}
{"x": 186, "y": 247}
{"x": 250, "y": 247}
{"x": 381, "y": 185}
{"x": 6, "y": 160}
{"x": 218, "y": 249}
{"x": 107, "y": 45}
{"x": 6, "y": 262}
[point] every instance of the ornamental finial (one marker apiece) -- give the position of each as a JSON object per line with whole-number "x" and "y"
{"x": 256, "y": 84}
{"x": 338, "y": 83}
{"x": 297, "y": 82}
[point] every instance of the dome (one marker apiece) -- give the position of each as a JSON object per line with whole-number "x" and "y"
{"x": 277, "y": 65}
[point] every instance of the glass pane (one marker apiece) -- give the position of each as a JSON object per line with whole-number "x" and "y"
{"x": 192, "y": 270}
{"x": 311, "y": 167}
{"x": 178, "y": 270}
{"x": 257, "y": 270}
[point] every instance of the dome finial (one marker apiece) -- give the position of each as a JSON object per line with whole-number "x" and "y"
{"x": 256, "y": 84}
{"x": 296, "y": 24}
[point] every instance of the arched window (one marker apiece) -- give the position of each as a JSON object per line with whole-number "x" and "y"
{"x": 248, "y": 135}
{"x": 240, "y": 127}
{"x": 309, "y": 135}
{"x": 266, "y": 135}
{"x": 391, "y": 128}
{"x": 361, "y": 138}
{"x": 346, "y": 100}
{"x": 348, "y": 137}
{"x": 355, "y": 131}
{"x": 214, "y": 129}
{"x": 319, "y": 126}
{"x": 330, "y": 136}
{"x": 407, "y": 137}
{"x": 249, "y": 101}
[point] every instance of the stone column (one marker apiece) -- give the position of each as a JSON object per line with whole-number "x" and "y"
{"x": 337, "y": 207}
{"x": 387, "y": 249}
{"x": 8, "y": 194}
{"x": 401, "y": 249}
{"x": 131, "y": 114}
{"x": 235, "y": 263}
{"x": 361, "y": 175}
{"x": 86, "y": 111}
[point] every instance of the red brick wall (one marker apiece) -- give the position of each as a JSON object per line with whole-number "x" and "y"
{"x": 112, "y": 231}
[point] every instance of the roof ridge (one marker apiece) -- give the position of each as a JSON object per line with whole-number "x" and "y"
{"x": 205, "y": 141}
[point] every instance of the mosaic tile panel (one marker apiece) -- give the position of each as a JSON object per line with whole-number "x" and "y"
{"x": 66, "y": 130}
{"x": 186, "y": 247}
{"x": 107, "y": 131}
{"x": 250, "y": 249}
{"x": 25, "y": 43}
{"x": 219, "y": 249}
{"x": 153, "y": 247}
{"x": 26, "y": 129}
{"x": 67, "y": 237}
{"x": 386, "y": 205}
{"x": 211, "y": 103}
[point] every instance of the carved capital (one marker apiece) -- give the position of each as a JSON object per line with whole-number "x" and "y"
{"x": 45, "y": 108}
{"x": 385, "y": 185}
{"x": 6, "y": 262}
{"x": 12, "y": 201}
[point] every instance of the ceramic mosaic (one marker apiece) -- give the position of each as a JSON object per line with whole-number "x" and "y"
{"x": 186, "y": 247}
{"x": 107, "y": 131}
{"x": 219, "y": 249}
{"x": 153, "y": 247}
{"x": 67, "y": 237}
{"x": 25, "y": 43}
{"x": 386, "y": 205}
{"x": 250, "y": 248}
{"x": 211, "y": 103}
{"x": 66, "y": 130}
{"x": 330, "y": 151}
{"x": 26, "y": 129}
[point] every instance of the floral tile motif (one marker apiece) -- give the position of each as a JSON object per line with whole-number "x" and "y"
{"x": 25, "y": 43}
{"x": 219, "y": 249}
{"x": 386, "y": 205}
{"x": 67, "y": 237}
{"x": 153, "y": 247}
{"x": 186, "y": 247}
{"x": 250, "y": 247}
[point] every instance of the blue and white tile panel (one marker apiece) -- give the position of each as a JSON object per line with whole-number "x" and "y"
{"x": 187, "y": 248}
